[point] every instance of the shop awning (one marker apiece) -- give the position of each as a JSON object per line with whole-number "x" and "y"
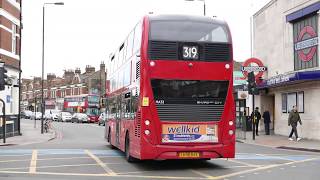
{"x": 291, "y": 78}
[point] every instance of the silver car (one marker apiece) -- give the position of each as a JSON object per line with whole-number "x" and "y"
{"x": 79, "y": 118}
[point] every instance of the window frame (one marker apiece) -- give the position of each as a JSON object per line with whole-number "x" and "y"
{"x": 298, "y": 101}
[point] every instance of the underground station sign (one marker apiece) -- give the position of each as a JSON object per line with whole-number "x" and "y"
{"x": 253, "y": 65}
{"x": 306, "y": 44}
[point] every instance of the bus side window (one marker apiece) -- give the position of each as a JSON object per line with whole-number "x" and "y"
{"x": 118, "y": 102}
{"x": 127, "y": 100}
{"x": 112, "y": 108}
{"x": 134, "y": 105}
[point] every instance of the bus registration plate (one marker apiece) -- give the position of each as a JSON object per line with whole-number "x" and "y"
{"x": 189, "y": 154}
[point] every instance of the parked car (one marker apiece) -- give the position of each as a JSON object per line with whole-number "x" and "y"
{"x": 26, "y": 114}
{"x": 36, "y": 115}
{"x": 65, "y": 116}
{"x": 52, "y": 114}
{"x": 55, "y": 116}
{"x": 79, "y": 118}
{"x": 102, "y": 119}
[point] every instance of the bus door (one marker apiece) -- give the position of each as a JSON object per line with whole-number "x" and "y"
{"x": 118, "y": 119}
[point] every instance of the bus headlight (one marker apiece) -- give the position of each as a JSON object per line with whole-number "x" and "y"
{"x": 230, "y": 123}
{"x": 227, "y": 66}
{"x": 152, "y": 63}
{"x": 147, "y": 122}
{"x": 230, "y": 132}
{"x": 147, "y": 132}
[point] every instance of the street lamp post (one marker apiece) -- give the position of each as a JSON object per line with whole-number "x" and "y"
{"x": 204, "y": 5}
{"x": 42, "y": 76}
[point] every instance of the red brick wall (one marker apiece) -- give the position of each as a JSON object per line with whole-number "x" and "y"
{"x": 10, "y": 9}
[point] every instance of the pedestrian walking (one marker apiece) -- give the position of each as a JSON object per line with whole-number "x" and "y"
{"x": 267, "y": 121}
{"x": 256, "y": 116}
{"x": 293, "y": 120}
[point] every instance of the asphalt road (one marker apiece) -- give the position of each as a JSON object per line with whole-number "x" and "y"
{"x": 80, "y": 152}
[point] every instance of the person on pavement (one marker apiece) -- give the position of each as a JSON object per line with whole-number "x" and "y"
{"x": 257, "y": 117}
{"x": 266, "y": 120}
{"x": 293, "y": 120}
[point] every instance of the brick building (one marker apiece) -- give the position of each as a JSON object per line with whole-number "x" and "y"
{"x": 73, "y": 83}
{"x": 10, "y": 28}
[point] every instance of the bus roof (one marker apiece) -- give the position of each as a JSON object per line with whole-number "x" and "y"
{"x": 172, "y": 17}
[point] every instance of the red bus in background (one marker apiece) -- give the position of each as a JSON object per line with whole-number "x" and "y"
{"x": 88, "y": 104}
{"x": 171, "y": 84}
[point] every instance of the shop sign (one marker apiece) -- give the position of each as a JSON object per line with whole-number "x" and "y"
{"x": 243, "y": 94}
{"x": 281, "y": 79}
{"x": 306, "y": 44}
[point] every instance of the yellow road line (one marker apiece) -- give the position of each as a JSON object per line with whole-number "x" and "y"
{"x": 33, "y": 162}
{"x": 201, "y": 173}
{"x": 15, "y": 160}
{"x": 103, "y": 165}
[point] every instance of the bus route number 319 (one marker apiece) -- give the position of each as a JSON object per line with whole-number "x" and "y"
{"x": 190, "y": 52}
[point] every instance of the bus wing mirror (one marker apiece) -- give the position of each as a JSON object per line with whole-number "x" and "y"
{"x": 138, "y": 55}
{"x": 127, "y": 95}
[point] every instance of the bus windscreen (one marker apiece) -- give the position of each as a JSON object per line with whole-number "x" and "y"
{"x": 188, "y": 31}
{"x": 189, "y": 88}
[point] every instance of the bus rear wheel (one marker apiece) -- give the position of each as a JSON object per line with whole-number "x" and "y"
{"x": 127, "y": 149}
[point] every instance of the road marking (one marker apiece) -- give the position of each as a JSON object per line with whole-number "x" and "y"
{"x": 200, "y": 173}
{"x": 33, "y": 162}
{"x": 15, "y": 160}
{"x": 276, "y": 157}
{"x": 243, "y": 163}
{"x": 103, "y": 165}
{"x": 260, "y": 168}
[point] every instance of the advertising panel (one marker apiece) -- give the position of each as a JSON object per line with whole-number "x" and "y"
{"x": 189, "y": 133}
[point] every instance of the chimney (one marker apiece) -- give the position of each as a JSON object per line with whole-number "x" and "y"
{"x": 77, "y": 71}
{"x": 102, "y": 66}
{"x": 68, "y": 75}
{"x": 51, "y": 76}
{"x": 90, "y": 69}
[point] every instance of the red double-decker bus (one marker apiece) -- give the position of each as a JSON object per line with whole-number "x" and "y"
{"x": 171, "y": 90}
{"x": 85, "y": 103}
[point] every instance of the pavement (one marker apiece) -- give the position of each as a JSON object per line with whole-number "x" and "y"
{"x": 278, "y": 141}
{"x": 30, "y": 134}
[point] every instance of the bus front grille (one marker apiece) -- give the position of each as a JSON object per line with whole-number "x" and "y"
{"x": 189, "y": 112}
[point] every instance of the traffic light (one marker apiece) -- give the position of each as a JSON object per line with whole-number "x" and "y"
{"x": 3, "y": 77}
{"x": 252, "y": 86}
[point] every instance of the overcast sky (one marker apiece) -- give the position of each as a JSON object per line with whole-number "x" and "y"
{"x": 84, "y": 33}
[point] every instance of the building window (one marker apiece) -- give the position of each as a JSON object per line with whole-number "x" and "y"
{"x": 14, "y": 40}
{"x": 293, "y": 99}
{"x": 53, "y": 94}
{"x": 284, "y": 103}
{"x": 300, "y": 102}
{"x": 305, "y": 36}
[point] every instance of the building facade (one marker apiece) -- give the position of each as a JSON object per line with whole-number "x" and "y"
{"x": 73, "y": 83}
{"x": 285, "y": 38}
{"x": 10, "y": 32}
